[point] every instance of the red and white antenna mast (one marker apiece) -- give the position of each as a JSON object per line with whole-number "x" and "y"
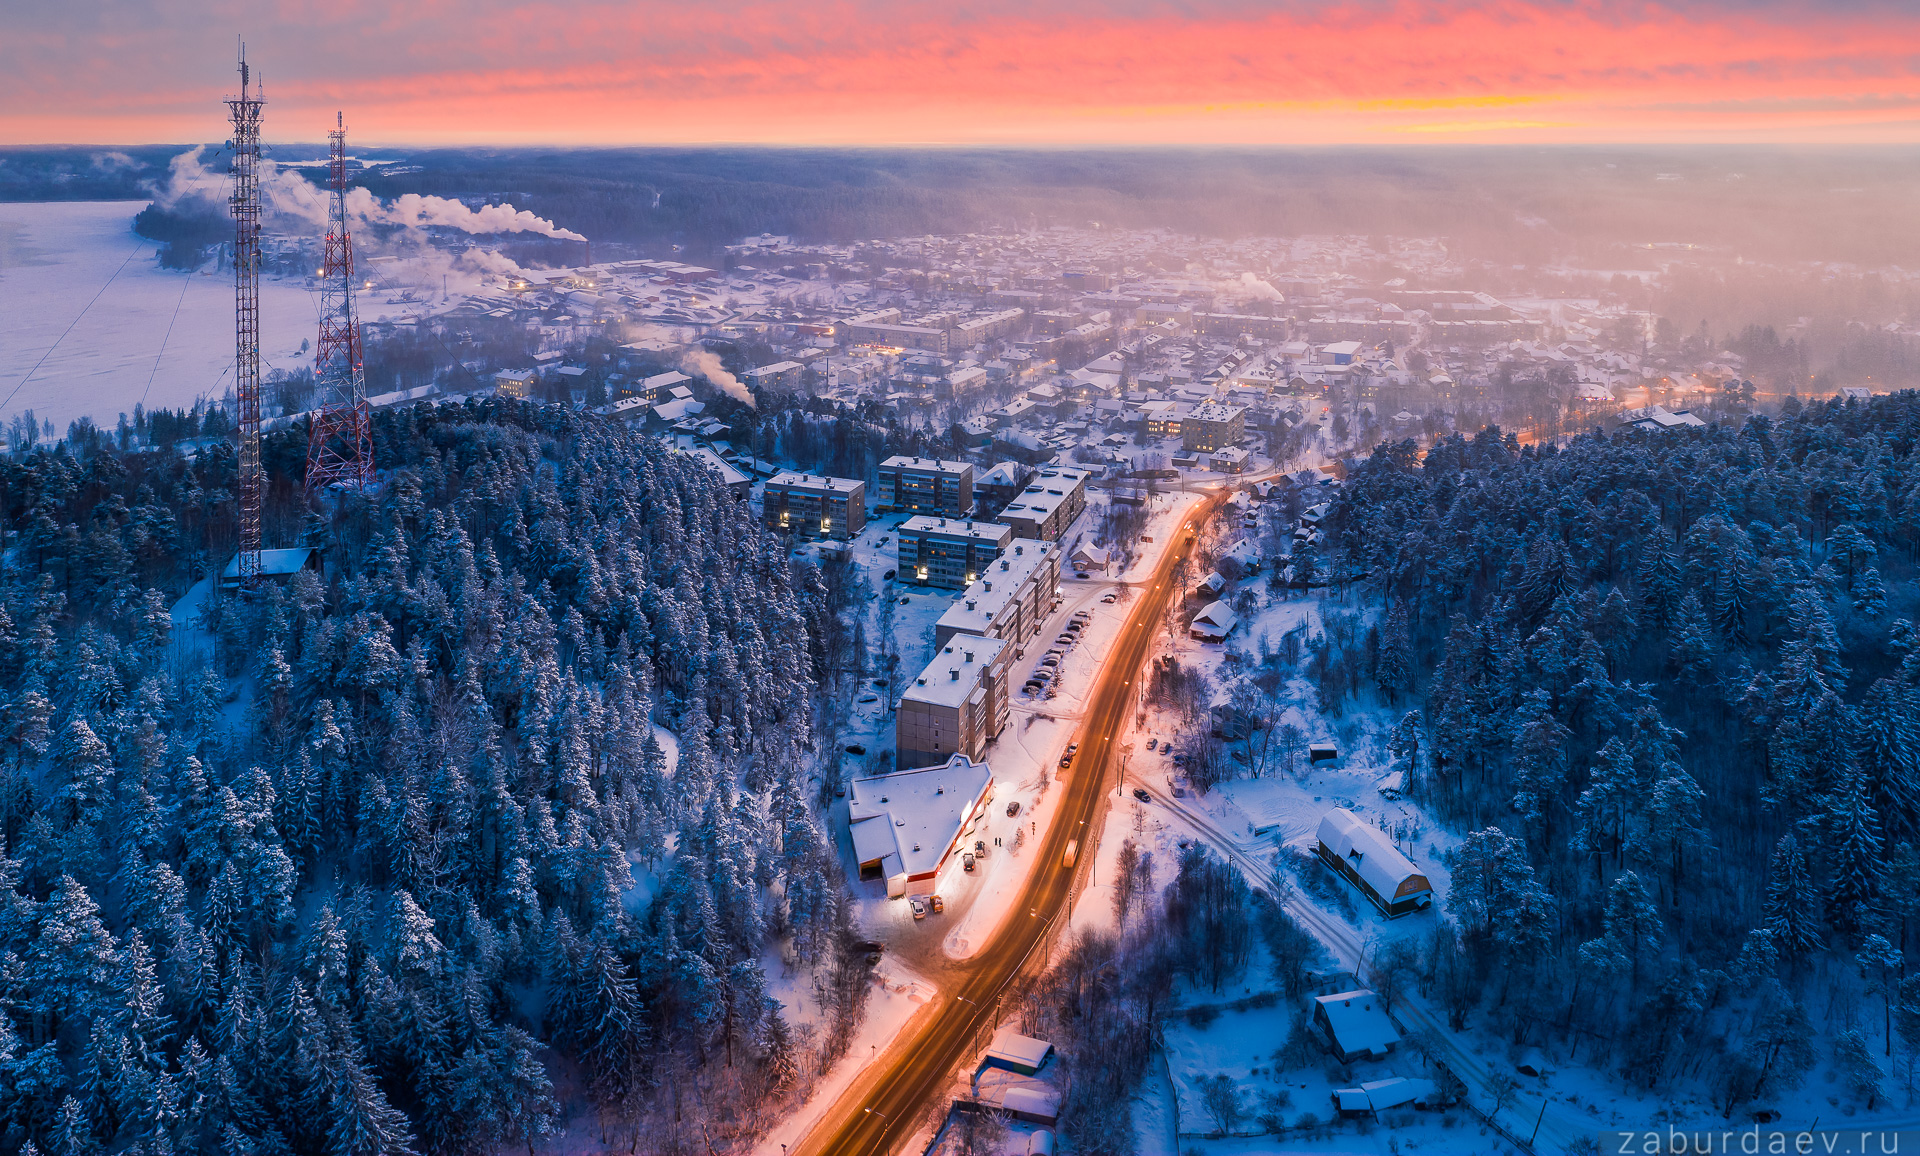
{"x": 244, "y": 204}
{"x": 340, "y": 431}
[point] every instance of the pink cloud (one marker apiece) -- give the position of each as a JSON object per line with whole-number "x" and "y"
{"x": 919, "y": 71}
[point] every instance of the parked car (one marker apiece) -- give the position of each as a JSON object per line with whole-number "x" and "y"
{"x": 1152, "y": 743}
{"x": 1140, "y": 793}
{"x": 1066, "y": 760}
{"x": 1013, "y": 808}
{"x": 966, "y": 860}
{"x": 1109, "y": 599}
{"x": 1079, "y": 573}
{"x": 938, "y": 904}
{"x": 887, "y": 577}
{"x": 919, "y": 908}
{"x": 979, "y": 846}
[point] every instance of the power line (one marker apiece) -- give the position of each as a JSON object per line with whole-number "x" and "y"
{"x": 69, "y": 328}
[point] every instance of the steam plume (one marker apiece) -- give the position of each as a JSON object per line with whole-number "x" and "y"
{"x": 703, "y": 363}
{"x": 290, "y": 194}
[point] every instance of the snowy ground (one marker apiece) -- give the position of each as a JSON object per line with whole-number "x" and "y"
{"x": 95, "y": 326}
{"x": 899, "y": 994}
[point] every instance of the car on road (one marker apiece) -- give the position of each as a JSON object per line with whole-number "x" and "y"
{"x": 938, "y": 904}
{"x": 1066, "y": 760}
{"x": 966, "y": 860}
{"x": 1140, "y": 793}
{"x": 919, "y": 908}
{"x": 980, "y": 847}
{"x": 1013, "y": 808}
{"x": 1073, "y": 852}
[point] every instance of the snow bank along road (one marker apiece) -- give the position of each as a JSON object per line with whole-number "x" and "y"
{"x": 881, "y": 1110}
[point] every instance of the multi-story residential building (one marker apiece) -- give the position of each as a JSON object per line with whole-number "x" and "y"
{"x": 949, "y": 552}
{"x": 927, "y": 486}
{"x": 1049, "y": 504}
{"x": 957, "y": 705}
{"x": 1213, "y": 426}
{"x": 1010, "y": 600}
{"x": 812, "y": 504}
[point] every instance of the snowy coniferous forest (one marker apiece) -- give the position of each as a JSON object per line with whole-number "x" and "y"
{"x": 1668, "y": 685}
{"x": 365, "y": 881}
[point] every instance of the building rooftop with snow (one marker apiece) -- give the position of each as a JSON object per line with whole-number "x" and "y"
{"x": 1371, "y": 862}
{"x": 1355, "y": 1024}
{"x": 907, "y": 826}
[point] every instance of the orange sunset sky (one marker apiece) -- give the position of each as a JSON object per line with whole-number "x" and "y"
{"x": 910, "y": 72}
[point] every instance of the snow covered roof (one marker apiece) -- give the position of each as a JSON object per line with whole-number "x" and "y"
{"x": 908, "y": 819}
{"x": 677, "y": 409}
{"x": 981, "y": 603}
{"x": 274, "y": 562}
{"x": 1397, "y": 1090}
{"x": 1020, "y": 1053}
{"x": 1004, "y": 474}
{"x": 1371, "y": 854}
{"x": 1214, "y": 622}
{"x": 955, "y": 672}
{"x": 1358, "y": 1021}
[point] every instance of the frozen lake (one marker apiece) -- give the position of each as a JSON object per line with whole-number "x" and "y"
{"x": 90, "y": 325}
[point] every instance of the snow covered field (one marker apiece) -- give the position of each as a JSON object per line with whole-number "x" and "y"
{"x": 94, "y": 325}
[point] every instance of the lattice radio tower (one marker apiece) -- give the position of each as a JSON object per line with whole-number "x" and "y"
{"x": 340, "y": 435}
{"x": 245, "y": 206}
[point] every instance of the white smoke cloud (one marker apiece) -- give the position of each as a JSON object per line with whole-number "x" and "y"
{"x": 1249, "y": 288}
{"x": 703, "y": 363}
{"x": 286, "y": 193}
{"x": 414, "y": 210}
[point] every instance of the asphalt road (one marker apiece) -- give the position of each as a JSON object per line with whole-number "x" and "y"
{"x": 883, "y": 1108}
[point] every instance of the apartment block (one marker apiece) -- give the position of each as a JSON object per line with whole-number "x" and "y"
{"x": 948, "y": 552}
{"x": 1010, "y": 600}
{"x": 927, "y": 486}
{"x": 1049, "y": 504}
{"x": 957, "y": 705}
{"x": 813, "y": 504}
{"x": 1213, "y": 426}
